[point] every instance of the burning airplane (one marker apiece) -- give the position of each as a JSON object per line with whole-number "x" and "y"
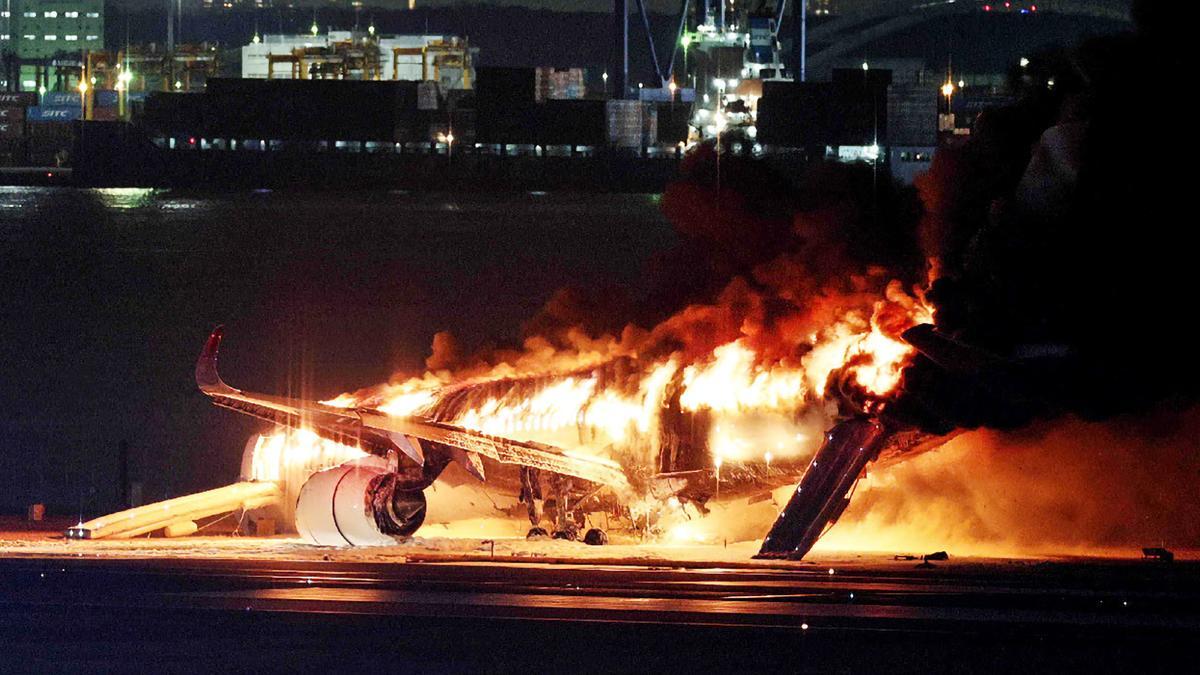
{"x": 799, "y": 360}
{"x": 625, "y": 435}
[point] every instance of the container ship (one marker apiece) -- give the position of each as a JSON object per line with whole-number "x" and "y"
{"x": 353, "y": 108}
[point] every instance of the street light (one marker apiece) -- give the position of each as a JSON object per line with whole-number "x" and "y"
{"x": 83, "y": 89}
{"x": 447, "y": 138}
{"x": 948, "y": 91}
{"x": 123, "y": 81}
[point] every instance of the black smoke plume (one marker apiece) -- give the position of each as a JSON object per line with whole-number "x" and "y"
{"x": 1060, "y": 241}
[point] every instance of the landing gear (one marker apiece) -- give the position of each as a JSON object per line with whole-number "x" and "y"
{"x": 565, "y": 516}
{"x": 568, "y": 533}
{"x": 531, "y": 495}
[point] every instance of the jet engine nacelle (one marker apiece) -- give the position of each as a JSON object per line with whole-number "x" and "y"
{"x": 358, "y": 503}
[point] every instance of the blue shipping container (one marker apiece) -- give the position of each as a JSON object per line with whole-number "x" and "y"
{"x": 53, "y": 113}
{"x": 53, "y": 99}
{"x": 106, "y": 98}
{"x": 664, "y": 95}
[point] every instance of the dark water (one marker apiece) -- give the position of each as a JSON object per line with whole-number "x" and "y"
{"x": 106, "y": 297}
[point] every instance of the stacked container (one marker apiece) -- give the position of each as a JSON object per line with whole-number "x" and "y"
{"x": 559, "y": 84}
{"x": 13, "y": 107}
{"x": 632, "y": 124}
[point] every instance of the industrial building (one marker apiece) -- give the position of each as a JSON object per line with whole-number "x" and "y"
{"x": 36, "y": 36}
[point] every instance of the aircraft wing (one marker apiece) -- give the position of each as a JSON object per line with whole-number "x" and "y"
{"x": 378, "y": 433}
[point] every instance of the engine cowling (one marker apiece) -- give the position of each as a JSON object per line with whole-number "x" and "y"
{"x": 358, "y": 503}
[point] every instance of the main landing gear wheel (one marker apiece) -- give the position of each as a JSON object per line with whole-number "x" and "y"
{"x": 595, "y": 537}
{"x": 569, "y": 533}
{"x": 537, "y": 533}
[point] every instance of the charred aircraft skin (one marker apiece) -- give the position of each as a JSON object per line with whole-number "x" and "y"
{"x": 410, "y": 453}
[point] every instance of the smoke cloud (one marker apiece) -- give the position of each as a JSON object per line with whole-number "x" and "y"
{"x": 1062, "y": 487}
{"x": 1043, "y": 238}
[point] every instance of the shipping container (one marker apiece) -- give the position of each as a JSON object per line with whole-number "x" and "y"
{"x": 12, "y": 149}
{"x": 665, "y": 95}
{"x": 173, "y": 113}
{"x": 12, "y": 114}
{"x": 61, "y": 99}
{"x": 558, "y": 84}
{"x": 571, "y": 123}
{"x": 18, "y": 99}
{"x": 53, "y": 114}
{"x": 106, "y": 98}
{"x": 11, "y": 130}
{"x": 328, "y": 110}
{"x": 912, "y": 114}
{"x": 427, "y": 96}
{"x": 505, "y": 86}
{"x": 51, "y": 131}
{"x": 632, "y": 124}
{"x": 673, "y": 119}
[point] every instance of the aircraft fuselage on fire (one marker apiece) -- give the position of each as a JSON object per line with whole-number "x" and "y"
{"x": 380, "y": 498}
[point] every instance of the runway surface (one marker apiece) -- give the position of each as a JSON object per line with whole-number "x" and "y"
{"x": 181, "y": 615}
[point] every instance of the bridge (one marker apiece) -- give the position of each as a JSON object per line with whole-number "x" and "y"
{"x": 865, "y": 21}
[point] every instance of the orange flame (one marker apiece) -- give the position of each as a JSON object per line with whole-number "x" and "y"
{"x": 291, "y": 456}
{"x": 754, "y": 400}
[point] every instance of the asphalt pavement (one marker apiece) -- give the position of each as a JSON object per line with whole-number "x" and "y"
{"x": 180, "y": 615}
